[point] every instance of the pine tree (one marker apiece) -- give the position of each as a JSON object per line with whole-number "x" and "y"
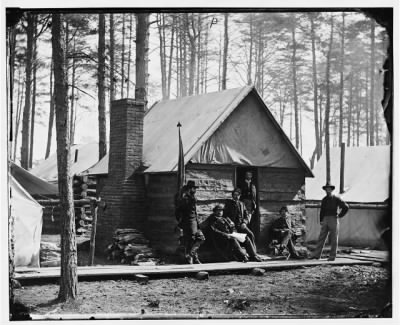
{"x": 68, "y": 276}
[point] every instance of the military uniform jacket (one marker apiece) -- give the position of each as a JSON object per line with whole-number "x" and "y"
{"x": 248, "y": 192}
{"x": 281, "y": 223}
{"x": 222, "y": 225}
{"x": 236, "y": 211}
{"x": 188, "y": 213}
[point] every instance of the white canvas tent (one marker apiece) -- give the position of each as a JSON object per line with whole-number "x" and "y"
{"x": 366, "y": 174}
{"x": 83, "y": 156}
{"x": 366, "y": 189}
{"x": 27, "y": 214}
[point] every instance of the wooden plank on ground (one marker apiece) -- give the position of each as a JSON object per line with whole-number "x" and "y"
{"x": 364, "y": 258}
{"x": 99, "y": 272}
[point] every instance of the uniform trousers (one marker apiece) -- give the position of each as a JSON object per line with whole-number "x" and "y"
{"x": 329, "y": 227}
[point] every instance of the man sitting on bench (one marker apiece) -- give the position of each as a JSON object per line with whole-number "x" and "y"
{"x": 228, "y": 239}
{"x": 282, "y": 237}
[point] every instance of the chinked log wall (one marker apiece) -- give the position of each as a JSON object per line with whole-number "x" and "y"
{"x": 277, "y": 187}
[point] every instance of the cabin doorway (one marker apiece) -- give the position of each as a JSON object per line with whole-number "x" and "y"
{"x": 239, "y": 182}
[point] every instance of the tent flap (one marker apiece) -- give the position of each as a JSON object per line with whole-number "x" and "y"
{"x": 247, "y": 137}
{"x": 27, "y": 214}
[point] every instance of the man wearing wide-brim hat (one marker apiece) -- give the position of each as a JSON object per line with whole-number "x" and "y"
{"x": 192, "y": 235}
{"x": 332, "y": 209}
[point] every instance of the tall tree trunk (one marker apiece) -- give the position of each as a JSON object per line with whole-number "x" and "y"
{"x": 28, "y": 86}
{"x": 372, "y": 87}
{"x": 249, "y": 69}
{"x": 341, "y": 83}
{"x": 101, "y": 71}
{"x": 367, "y": 124}
{"x": 377, "y": 124}
{"x": 171, "y": 53}
{"x": 358, "y": 117}
{"x": 225, "y": 57}
{"x": 199, "y": 55}
{"x": 18, "y": 113}
{"x": 73, "y": 112}
{"x": 315, "y": 88}
{"x": 123, "y": 57}
{"x": 328, "y": 102}
{"x": 11, "y": 45}
{"x": 205, "y": 61}
{"x": 33, "y": 114}
{"x": 219, "y": 62}
{"x": 294, "y": 79}
{"x": 142, "y": 26}
{"x": 321, "y": 119}
{"x": 68, "y": 276}
{"x": 350, "y": 110}
{"x": 192, "y": 43}
{"x": 161, "y": 36}
{"x": 112, "y": 60}
{"x": 129, "y": 54}
{"x": 51, "y": 113}
{"x": 178, "y": 58}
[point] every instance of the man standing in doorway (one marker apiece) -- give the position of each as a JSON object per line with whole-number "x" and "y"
{"x": 249, "y": 193}
{"x": 332, "y": 209}
{"x": 192, "y": 235}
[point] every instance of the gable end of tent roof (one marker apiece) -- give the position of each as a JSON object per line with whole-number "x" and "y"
{"x": 308, "y": 172}
{"x": 216, "y": 124}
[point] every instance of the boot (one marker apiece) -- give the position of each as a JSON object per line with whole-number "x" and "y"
{"x": 189, "y": 259}
{"x": 256, "y": 258}
{"x": 196, "y": 259}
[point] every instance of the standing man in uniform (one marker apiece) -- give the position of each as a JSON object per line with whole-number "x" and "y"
{"x": 249, "y": 193}
{"x": 237, "y": 212}
{"x": 332, "y": 209}
{"x": 192, "y": 235}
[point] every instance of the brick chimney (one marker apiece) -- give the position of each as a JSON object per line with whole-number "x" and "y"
{"x": 124, "y": 192}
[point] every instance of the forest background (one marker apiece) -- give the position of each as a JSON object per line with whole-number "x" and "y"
{"x": 301, "y": 63}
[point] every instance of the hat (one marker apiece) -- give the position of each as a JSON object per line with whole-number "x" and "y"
{"x": 237, "y": 190}
{"x": 218, "y": 207}
{"x": 328, "y": 184}
{"x": 190, "y": 184}
{"x": 284, "y": 208}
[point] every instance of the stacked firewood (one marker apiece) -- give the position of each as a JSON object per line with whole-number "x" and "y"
{"x": 50, "y": 254}
{"x": 129, "y": 246}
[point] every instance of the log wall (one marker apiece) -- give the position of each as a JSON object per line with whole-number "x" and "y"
{"x": 277, "y": 187}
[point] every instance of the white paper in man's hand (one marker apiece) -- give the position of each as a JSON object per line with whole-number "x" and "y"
{"x": 238, "y": 236}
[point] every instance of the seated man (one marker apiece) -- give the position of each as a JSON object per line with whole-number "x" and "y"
{"x": 236, "y": 211}
{"x": 228, "y": 239}
{"x": 283, "y": 233}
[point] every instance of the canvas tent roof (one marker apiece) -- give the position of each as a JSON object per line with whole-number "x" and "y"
{"x": 32, "y": 184}
{"x": 367, "y": 174}
{"x": 87, "y": 156}
{"x": 200, "y": 117}
{"x": 27, "y": 227}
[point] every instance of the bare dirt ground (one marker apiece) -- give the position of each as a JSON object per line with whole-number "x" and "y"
{"x": 321, "y": 291}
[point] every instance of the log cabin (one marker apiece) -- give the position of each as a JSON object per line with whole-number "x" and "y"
{"x": 224, "y": 134}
